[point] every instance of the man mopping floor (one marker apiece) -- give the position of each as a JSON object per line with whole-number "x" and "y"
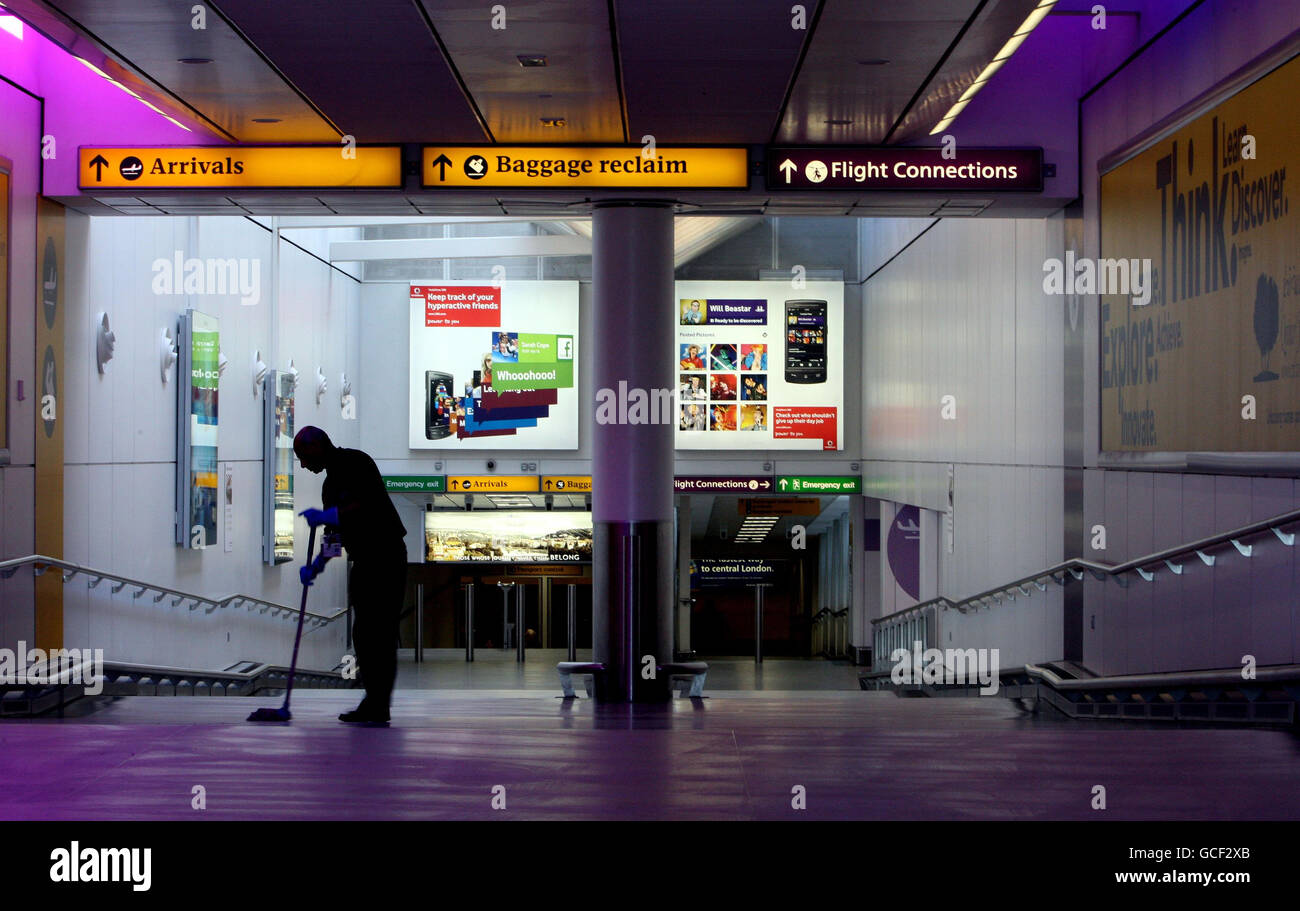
{"x": 358, "y": 506}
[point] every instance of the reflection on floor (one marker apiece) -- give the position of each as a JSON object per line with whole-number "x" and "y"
{"x": 735, "y": 755}
{"x": 496, "y": 669}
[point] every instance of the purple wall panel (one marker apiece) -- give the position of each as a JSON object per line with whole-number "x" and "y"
{"x": 1197, "y": 627}
{"x": 1271, "y": 589}
{"x": 1231, "y": 618}
{"x": 1112, "y": 619}
{"x": 1168, "y": 621}
{"x": 1139, "y": 651}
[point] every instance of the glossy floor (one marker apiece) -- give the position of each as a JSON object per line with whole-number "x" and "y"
{"x": 735, "y": 755}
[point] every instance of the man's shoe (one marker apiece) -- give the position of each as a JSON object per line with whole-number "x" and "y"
{"x": 357, "y": 716}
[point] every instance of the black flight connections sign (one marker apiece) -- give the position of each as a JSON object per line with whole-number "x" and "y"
{"x": 898, "y": 168}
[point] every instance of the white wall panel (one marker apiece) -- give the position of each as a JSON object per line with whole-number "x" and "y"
{"x": 120, "y": 433}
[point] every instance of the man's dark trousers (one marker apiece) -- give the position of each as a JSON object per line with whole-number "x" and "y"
{"x": 378, "y": 593}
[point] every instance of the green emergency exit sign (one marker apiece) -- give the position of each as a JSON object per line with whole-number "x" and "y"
{"x": 798, "y": 483}
{"x": 410, "y": 483}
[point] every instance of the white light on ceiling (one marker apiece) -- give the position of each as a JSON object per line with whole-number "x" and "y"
{"x": 1014, "y": 42}
{"x": 13, "y": 25}
{"x": 90, "y": 66}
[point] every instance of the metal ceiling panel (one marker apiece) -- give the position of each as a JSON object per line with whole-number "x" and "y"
{"x": 237, "y": 87}
{"x": 834, "y": 84}
{"x": 578, "y": 84}
{"x": 706, "y": 72}
{"x": 994, "y": 25}
{"x": 372, "y": 66}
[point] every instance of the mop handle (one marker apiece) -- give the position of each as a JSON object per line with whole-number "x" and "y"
{"x": 302, "y": 613}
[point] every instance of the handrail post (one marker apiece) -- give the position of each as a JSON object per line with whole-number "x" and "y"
{"x": 519, "y": 623}
{"x": 469, "y": 621}
{"x": 573, "y": 622}
{"x": 419, "y": 622}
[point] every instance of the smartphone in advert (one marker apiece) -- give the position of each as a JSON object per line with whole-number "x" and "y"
{"x": 439, "y": 405}
{"x": 507, "y": 367}
{"x": 805, "y": 341}
{"x": 756, "y": 369}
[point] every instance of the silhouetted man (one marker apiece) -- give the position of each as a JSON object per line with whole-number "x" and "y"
{"x": 357, "y": 505}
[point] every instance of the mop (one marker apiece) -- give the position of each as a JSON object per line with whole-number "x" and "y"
{"x": 282, "y": 713}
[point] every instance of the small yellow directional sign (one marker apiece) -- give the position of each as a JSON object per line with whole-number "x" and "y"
{"x": 492, "y": 483}
{"x": 567, "y": 483}
{"x": 234, "y": 167}
{"x": 631, "y": 167}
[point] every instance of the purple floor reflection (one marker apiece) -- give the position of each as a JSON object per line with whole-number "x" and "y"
{"x": 737, "y": 755}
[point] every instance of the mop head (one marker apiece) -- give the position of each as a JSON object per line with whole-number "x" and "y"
{"x": 280, "y": 714}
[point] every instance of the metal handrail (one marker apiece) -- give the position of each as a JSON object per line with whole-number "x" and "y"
{"x": 41, "y": 564}
{"x": 1146, "y": 567}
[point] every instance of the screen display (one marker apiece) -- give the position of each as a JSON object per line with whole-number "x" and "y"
{"x": 502, "y": 536}
{"x": 805, "y": 341}
{"x": 494, "y": 367}
{"x": 759, "y": 365}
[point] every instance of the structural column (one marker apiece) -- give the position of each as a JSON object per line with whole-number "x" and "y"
{"x": 632, "y": 445}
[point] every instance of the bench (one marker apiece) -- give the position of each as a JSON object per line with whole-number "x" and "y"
{"x": 689, "y": 676}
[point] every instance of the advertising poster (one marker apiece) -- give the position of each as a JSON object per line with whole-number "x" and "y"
{"x": 277, "y": 393}
{"x": 494, "y": 367}
{"x": 760, "y": 365}
{"x": 1212, "y": 362}
{"x": 205, "y": 346}
{"x": 507, "y": 537}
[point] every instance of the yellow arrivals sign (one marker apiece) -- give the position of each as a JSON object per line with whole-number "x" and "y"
{"x": 559, "y": 167}
{"x": 235, "y": 167}
{"x": 567, "y": 483}
{"x": 491, "y": 483}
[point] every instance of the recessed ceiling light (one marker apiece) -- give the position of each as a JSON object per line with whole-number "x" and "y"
{"x": 531, "y": 59}
{"x": 554, "y": 122}
{"x": 266, "y": 120}
{"x": 873, "y": 61}
{"x": 839, "y": 123}
{"x": 194, "y": 61}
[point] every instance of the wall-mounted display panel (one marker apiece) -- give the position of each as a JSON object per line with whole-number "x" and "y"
{"x": 277, "y": 467}
{"x": 760, "y": 365}
{"x": 494, "y": 367}
{"x": 500, "y": 536}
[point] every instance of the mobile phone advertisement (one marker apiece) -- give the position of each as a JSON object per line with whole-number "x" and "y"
{"x": 494, "y": 366}
{"x": 760, "y": 365}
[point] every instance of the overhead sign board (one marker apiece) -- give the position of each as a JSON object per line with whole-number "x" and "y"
{"x": 818, "y": 484}
{"x": 893, "y": 168}
{"x": 492, "y": 483}
{"x": 568, "y": 483}
{"x": 239, "y": 167}
{"x": 435, "y": 483}
{"x": 561, "y": 167}
{"x": 722, "y": 484}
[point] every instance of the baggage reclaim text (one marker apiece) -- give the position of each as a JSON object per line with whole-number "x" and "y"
{"x": 576, "y": 167}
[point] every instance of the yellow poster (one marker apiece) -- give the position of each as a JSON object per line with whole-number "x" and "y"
{"x": 1212, "y": 362}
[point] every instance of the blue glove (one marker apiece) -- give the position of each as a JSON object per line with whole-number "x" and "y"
{"x": 309, "y": 573}
{"x": 316, "y": 517}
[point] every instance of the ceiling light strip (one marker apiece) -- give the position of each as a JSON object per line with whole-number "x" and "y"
{"x": 1013, "y": 43}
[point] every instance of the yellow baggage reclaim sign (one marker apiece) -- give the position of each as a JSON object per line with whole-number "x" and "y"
{"x": 492, "y": 483}
{"x": 239, "y": 167}
{"x": 566, "y": 483}
{"x": 560, "y": 167}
